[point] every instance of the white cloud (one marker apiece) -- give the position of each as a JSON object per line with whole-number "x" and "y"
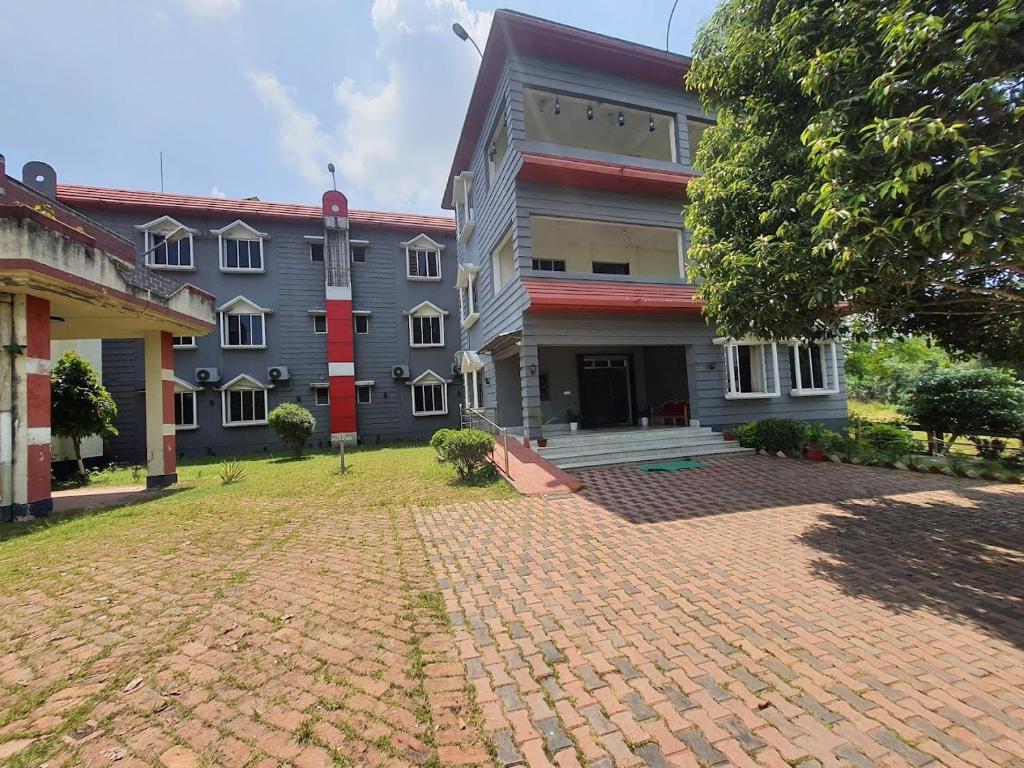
{"x": 215, "y": 192}
{"x": 394, "y": 140}
{"x": 212, "y": 8}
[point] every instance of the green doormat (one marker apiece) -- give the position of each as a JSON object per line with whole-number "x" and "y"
{"x": 672, "y": 466}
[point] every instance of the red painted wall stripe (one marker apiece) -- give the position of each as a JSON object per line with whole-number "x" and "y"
{"x": 39, "y": 460}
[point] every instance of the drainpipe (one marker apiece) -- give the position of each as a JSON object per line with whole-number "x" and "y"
{"x": 7, "y": 337}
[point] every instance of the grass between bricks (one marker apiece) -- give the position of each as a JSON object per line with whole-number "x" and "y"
{"x": 265, "y": 510}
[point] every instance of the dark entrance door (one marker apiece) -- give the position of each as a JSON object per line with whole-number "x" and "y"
{"x": 605, "y": 390}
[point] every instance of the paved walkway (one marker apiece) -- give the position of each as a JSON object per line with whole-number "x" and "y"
{"x": 755, "y": 612}
{"x": 180, "y": 638}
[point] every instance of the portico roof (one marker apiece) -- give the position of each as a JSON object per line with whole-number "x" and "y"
{"x": 96, "y": 285}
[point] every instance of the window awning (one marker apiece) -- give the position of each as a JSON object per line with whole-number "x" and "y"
{"x": 468, "y": 361}
{"x": 555, "y": 295}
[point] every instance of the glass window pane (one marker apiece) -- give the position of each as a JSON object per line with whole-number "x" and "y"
{"x": 230, "y": 253}
{"x": 417, "y": 393}
{"x": 255, "y": 254}
{"x": 257, "y": 329}
{"x": 260, "y": 405}
{"x": 234, "y": 406}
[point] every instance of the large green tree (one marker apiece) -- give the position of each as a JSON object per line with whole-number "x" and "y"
{"x": 80, "y": 405}
{"x": 868, "y": 157}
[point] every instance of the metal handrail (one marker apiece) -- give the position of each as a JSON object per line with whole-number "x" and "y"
{"x": 474, "y": 419}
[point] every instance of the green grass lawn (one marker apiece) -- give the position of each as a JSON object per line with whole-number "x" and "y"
{"x": 396, "y": 476}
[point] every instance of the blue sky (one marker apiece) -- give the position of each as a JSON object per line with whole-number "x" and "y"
{"x": 253, "y": 97}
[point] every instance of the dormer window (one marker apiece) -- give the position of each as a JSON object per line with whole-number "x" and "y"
{"x": 469, "y": 310}
{"x": 244, "y": 402}
{"x": 243, "y": 324}
{"x": 241, "y": 248}
{"x": 163, "y": 255}
{"x": 426, "y": 325}
{"x": 423, "y": 258}
{"x": 429, "y": 395}
{"x": 462, "y": 201}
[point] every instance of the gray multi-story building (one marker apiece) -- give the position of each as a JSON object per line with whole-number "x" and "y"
{"x": 568, "y": 184}
{"x": 265, "y": 264}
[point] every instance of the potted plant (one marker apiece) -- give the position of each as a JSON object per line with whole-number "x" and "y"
{"x": 573, "y": 419}
{"x": 815, "y": 437}
{"x": 542, "y": 441}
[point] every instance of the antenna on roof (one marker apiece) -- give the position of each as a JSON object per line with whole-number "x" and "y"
{"x": 334, "y": 181}
{"x": 669, "y": 27}
{"x": 161, "y": 171}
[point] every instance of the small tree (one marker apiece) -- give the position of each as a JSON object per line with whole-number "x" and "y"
{"x": 80, "y": 405}
{"x": 293, "y": 425}
{"x": 961, "y": 402}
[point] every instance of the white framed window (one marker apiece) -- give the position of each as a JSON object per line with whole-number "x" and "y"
{"x": 814, "y": 368}
{"x": 469, "y": 311}
{"x": 364, "y": 392}
{"x": 321, "y": 394}
{"x": 242, "y": 324}
{"x": 462, "y": 201}
{"x": 549, "y": 265}
{"x": 320, "y": 324}
{"x": 503, "y": 262}
{"x": 426, "y": 325}
{"x": 429, "y": 395}
{"x": 163, "y": 255}
{"x": 361, "y": 323}
{"x": 185, "y": 414}
{"x": 241, "y": 248}
{"x": 183, "y": 342}
{"x": 752, "y": 368}
{"x": 243, "y": 402}
{"x": 359, "y": 250}
{"x": 423, "y": 258}
{"x": 472, "y": 367}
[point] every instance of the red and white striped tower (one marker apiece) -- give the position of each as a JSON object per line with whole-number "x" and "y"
{"x": 341, "y": 367}
{"x": 25, "y": 407}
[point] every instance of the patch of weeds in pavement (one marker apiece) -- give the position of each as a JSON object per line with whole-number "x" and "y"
{"x": 383, "y": 743}
{"x": 304, "y": 734}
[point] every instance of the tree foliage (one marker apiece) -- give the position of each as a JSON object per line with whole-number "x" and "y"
{"x": 467, "y": 450}
{"x": 80, "y": 405}
{"x": 868, "y": 156}
{"x": 883, "y": 369}
{"x": 986, "y": 401}
{"x": 293, "y": 424}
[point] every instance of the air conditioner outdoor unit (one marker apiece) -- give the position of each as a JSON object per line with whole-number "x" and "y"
{"x": 207, "y": 375}
{"x": 400, "y": 372}
{"x": 278, "y": 373}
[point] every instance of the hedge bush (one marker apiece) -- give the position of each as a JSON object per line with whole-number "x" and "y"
{"x": 772, "y": 435}
{"x": 889, "y": 440}
{"x": 293, "y": 424}
{"x": 465, "y": 449}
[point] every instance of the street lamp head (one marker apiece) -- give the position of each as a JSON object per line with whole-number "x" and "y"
{"x": 460, "y": 31}
{"x": 176, "y": 235}
{"x": 330, "y": 167}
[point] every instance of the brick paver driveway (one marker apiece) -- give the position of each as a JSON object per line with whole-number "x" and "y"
{"x": 307, "y": 638}
{"x": 755, "y": 612}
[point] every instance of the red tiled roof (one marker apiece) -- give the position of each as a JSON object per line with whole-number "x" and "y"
{"x": 137, "y": 200}
{"x": 557, "y": 295}
{"x": 602, "y": 175}
{"x": 529, "y": 35}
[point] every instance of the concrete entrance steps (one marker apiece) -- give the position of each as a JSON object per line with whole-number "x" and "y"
{"x": 592, "y": 448}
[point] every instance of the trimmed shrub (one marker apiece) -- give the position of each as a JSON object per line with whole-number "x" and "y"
{"x": 748, "y": 435}
{"x": 465, "y": 449}
{"x": 780, "y": 434}
{"x": 293, "y": 424}
{"x": 986, "y": 401}
{"x": 772, "y": 435}
{"x": 889, "y": 440}
{"x": 440, "y": 440}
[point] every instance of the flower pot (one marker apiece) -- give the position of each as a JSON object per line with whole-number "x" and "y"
{"x": 644, "y": 421}
{"x": 574, "y": 427}
{"x": 729, "y": 437}
{"x": 542, "y": 442}
{"x": 814, "y": 452}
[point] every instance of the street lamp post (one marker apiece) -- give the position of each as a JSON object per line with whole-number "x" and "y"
{"x": 462, "y": 34}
